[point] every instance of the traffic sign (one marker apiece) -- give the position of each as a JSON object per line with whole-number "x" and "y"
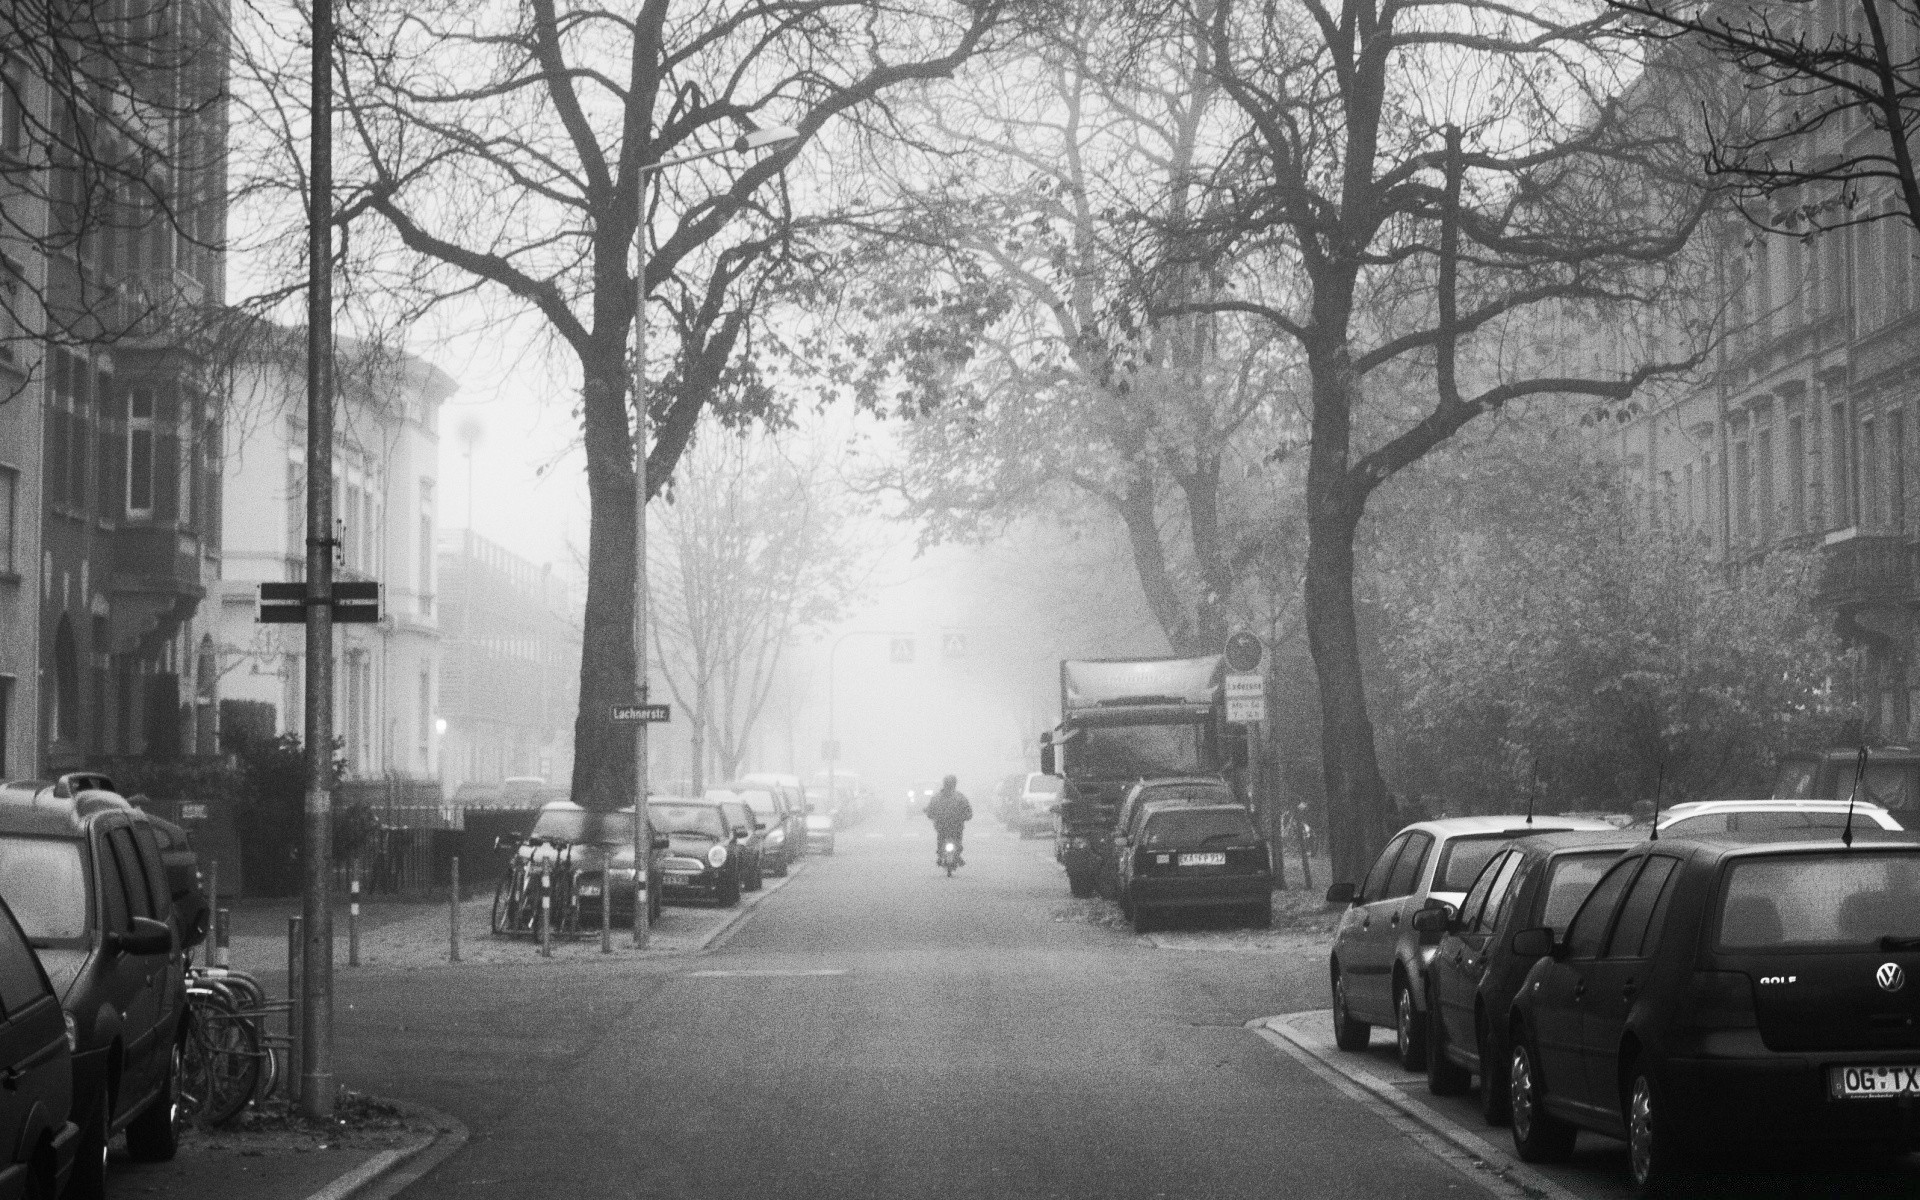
{"x": 642, "y": 714}
{"x": 902, "y": 651}
{"x": 953, "y": 645}
{"x": 354, "y": 602}
{"x": 1246, "y": 710}
{"x": 1246, "y": 687}
{"x": 1244, "y": 651}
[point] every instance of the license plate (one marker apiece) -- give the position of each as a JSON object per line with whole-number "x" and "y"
{"x": 672, "y": 880}
{"x": 1212, "y": 858}
{"x": 1854, "y": 1083}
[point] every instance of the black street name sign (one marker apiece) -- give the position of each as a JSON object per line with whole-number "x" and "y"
{"x": 355, "y": 602}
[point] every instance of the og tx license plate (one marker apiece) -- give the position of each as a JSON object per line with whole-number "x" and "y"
{"x": 1858, "y": 1083}
{"x": 1215, "y": 858}
{"x": 672, "y": 880}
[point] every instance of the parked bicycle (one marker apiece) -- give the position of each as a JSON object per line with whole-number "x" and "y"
{"x": 229, "y": 1058}
{"x": 539, "y": 864}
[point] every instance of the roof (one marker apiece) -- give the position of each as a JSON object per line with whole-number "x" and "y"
{"x": 1847, "y": 754}
{"x": 1182, "y": 781}
{"x": 57, "y": 809}
{"x": 1514, "y": 825}
{"x": 1581, "y": 839}
{"x": 1791, "y": 841}
{"x": 1186, "y": 806}
{"x": 1692, "y": 808}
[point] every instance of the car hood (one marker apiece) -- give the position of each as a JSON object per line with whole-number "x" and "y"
{"x": 693, "y": 844}
{"x": 63, "y": 965}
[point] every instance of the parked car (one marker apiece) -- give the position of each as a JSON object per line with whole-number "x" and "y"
{"x": 783, "y": 841}
{"x": 1474, "y": 974}
{"x": 1726, "y": 994}
{"x": 1189, "y": 856}
{"x": 749, "y": 837}
{"x": 1378, "y": 960}
{"x": 1197, "y": 789}
{"x": 591, "y": 842}
{"x": 1892, "y": 778}
{"x": 185, "y": 884}
{"x": 792, "y": 795}
{"x": 703, "y": 861}
{"x": 819, "y": 833}
{"x": 1006, "y": 799}
{"x": 82, "y": 870}
{"x": 37, "y": 1141}
{"x": 1035, "y": 817}
{"x": 1699, "y": 817}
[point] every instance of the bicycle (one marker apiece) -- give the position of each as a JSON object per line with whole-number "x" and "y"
{"x": 220, "y": 1062}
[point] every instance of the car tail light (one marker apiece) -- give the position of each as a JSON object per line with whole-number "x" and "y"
{"x": 1721, "y": 1000}
{"x": 73, "y": 1032}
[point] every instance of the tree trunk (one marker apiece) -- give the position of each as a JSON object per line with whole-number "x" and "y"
{"x": 698, "y": 773}
{"x": 602, "y": 751}
{"x": 1136, "y": 509}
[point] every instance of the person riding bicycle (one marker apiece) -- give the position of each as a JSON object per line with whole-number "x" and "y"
{"x": 949, "y": 811}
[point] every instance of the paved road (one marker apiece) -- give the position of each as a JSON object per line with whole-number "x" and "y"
{"x": 877, "y": 1030}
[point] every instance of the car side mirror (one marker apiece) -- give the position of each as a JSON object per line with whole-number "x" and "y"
{"x": 1046, "y": 758}
{"x": 660, "y": 841}
{"x": 1343, "y": 893}
{"x": 508, "y": 841}
{"x": 741, "y": 832}
{"x": 759, "y": 824}
{"x": 1536, "y": 943}
{"x": 148, "y": 937}
{"x": 1434, "y": 918}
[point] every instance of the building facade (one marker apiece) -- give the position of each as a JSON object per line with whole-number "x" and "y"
{"x": 386, "y": 468}
{"x": 512, "y": 665}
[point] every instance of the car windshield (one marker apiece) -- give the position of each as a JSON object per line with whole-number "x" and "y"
{"x": 1569, "y": 878}
{"x": 695, "y": 820}
{"x": 760, "y": 802}
{"x": 1461, "y": 860}
{"x": 1138, "y": 751}
{"x": 1197, "y": 828}
{"x": 46, "y": 886}
{"x": 578, "y": 825}
{"x": 1216, "y": 793}
{"x": 1044, "y": 785}
{"x": 1850, "y": 899}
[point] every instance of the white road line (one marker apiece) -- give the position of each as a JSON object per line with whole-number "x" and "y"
{"x": 1473, "y": 1156}
{"x": 768, "y": 974}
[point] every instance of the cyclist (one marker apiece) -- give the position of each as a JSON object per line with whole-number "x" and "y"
{"x": 949, "y": 811}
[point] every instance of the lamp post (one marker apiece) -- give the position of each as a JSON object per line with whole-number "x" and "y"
{"x": 758, "y": 139}
{"x": 833, "y": 653}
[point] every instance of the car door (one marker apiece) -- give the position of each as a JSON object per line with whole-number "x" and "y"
{"x": 145, "y": 972}
{"x": 1350, "y": 944}
{"x": 1450, "y": 974}
{"x": 1380, "y": 924}
{"x": 1617, "y": 977}
{"x": 1563, "y": 992}
{"x": 32, "y": 1038}
{"x": 1477, "y": 948}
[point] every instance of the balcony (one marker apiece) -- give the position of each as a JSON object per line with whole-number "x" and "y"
{"x": 1861, "y": 570}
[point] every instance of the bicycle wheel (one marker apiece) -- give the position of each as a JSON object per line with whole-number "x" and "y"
{"x": 220, "y": 1063}
{"x": 242, "y": 988}
{"x": 501, "y": 903}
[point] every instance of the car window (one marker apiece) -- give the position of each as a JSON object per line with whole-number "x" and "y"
{"x": 1376, "y": 884}
{"x": 1043, "y": 785}
{"x": 158, "y": 888}
{"x": 133, "y": 876}
{"x": 701, "y": 820}
{"x": 1504, "y": 888}
{"x": 45, "y": 880}
{"x": 1570, "y": 877}
{"x": 1406, "y": 872}
{"x": 1197, "y": 827}
{"x": 1850, "y": 899}
{"x": 1589, "y": 928}
{"x": 1477, "y": 894}
{"x": 114, "y": 914}
{"x": 1638, "y": 930}
{"x": 1461, "y": 860}
{"x": 1705, "y": 823}
{"x": 1760, "y": 822}
{"x": 21, "y": 981}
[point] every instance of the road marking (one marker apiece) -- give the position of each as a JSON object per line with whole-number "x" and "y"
{"x": 1472, "y": 1156}
{"x": 763, "y": 974}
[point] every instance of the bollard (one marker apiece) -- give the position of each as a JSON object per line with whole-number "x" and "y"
{"x": 546, "y": 912}
{"x": 1306, "y": 864}
{"x": 453, "y": 913}
{"x": 353, "y": 917}
{"x": 606, "y": 901}
{"x": 213, "y": 901}
{"x": 294, "y": 973}
{"x": 222, "y": 938}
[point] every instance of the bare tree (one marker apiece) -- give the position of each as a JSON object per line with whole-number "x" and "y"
{"x": 502, "y": 152}
{"x": 1431, "y": 192}
{"x": 750, "y": 549}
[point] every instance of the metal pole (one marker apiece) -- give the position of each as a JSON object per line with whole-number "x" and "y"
{"x": 222, "y": 936}
{"x": 453, "y": 913}
{"x": 546, "y": 912}
{"x": 353, "y": 917}
{"x": 213, "y": 908}
{"x": 296, "y": 950}
{"x": 641, "y": 837}
{"x": 316, "y": 977}
{"x": 606, "y": 898}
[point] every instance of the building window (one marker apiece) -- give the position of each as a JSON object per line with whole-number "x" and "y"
{"x": 1742, "y": 494}
{"x": 140, "y": 452}
{"x": 1840, "y": 446}
{"x": 426, "y": 720}
{"x": 1796, "y": 475}
{"x": 13, "y": 325}
{"x": 1897, "y": 469}
{"x": 296, "y": 517}
{"x": 9, "y": 520}
{"x": 1869, "y": 474}
{"x": 1763, "y": 454}
{"x": 66, "y": 683}
{"x": 6, "y": 725}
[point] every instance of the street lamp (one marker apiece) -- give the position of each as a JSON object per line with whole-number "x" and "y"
{"x": 833, "y": 772}
{"x": 757, "y": 139}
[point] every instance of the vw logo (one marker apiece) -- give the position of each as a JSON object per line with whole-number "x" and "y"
{"x": 1890, "y": 977}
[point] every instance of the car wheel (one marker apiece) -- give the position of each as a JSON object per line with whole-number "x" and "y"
{"x": 1444, "y": 1076}
{"x": 154, "y": 1135}
{"x": 754, "y": 879}
{"x": 779, "y": 867}
{"x": 1538, "y": 1136}
{"x": 1656, "y": 1157}
{"x": 89, "y": 1178}
{"x": 500, "y": 907}
{"x": 1348, "y": 1033}
{"x": 1409, "y": 1028}
{"x": 1493, "y": 1080}
{"x": 1080, "y": 884}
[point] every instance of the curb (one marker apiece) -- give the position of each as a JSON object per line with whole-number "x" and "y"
{"x": 387, "y": 1173}
{"x": 731, "y": 925}
{"x": 1498, "y": 1172}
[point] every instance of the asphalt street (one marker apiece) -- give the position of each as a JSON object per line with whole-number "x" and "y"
{"x": 878, "y": 1030}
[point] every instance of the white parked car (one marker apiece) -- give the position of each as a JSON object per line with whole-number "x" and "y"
{"x": 1699, "y": 817}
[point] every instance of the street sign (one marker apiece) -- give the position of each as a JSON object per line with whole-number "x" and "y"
{"x": 953, "y": 645}
{"x": 902, "y": 651}
{"x": 1244, "y": 651}
{"x": 355, "y": 602}
{"x": 1246, "y": 687}
{"x": 830, "y": 750}
{"x": 1246, "y": 710}
{"x": 642, "y": 714}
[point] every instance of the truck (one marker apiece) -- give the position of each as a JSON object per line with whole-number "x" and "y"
{"x": 1123, "y": 720}
{"x": 1892, "y": 778}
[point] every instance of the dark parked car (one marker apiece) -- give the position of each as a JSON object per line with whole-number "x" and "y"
{"x": 1126, "y": 824}
{"x": 565, "y": 821}
{"x": 185, "y": 884}
{"x": 749, "y": 837}
{"x": 785, "y": 838}
{"x": 1189, "y": 856}
{"x": 1379, "y": 959}
{"x": 1474, "y": 974}
{"x": 1726, "y": 994}
{"x": 37, "y": 1141}
{"x": 792, "y": 797}
{"x": 703, "y": 861}
{"x": 82, "y": 870}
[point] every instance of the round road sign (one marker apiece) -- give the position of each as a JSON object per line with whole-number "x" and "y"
{"x": 1244, "y": 652}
